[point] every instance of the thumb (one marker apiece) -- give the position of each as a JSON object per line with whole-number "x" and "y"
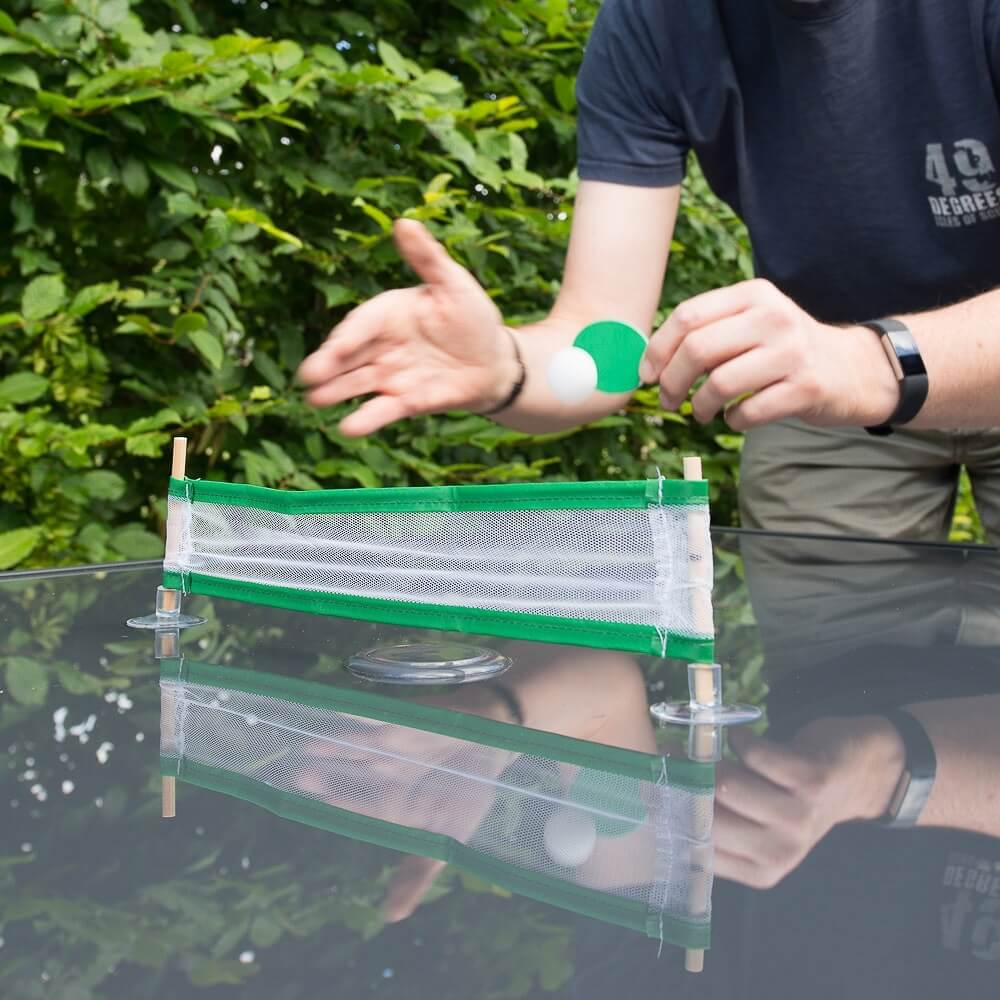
{"x": 409, "y": 884}
{"x": 424, "y": 254}
{"x": 779, "y": 764}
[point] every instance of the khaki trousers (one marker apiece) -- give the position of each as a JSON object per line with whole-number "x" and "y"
{"x": 816, "y": 598}
{"x": 844, "y": 481}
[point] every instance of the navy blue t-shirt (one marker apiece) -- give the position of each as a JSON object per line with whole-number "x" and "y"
{"x": 858, "y": 139}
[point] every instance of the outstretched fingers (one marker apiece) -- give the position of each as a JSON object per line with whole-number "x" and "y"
{"x": 375, "y": 414}
{"x": 350, "y": 385}
{"x": 354, "y": 341}
{"x": 430, "y": 261}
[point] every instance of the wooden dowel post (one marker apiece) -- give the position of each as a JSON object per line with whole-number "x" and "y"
{"x": 178, "y": 465}
{"x": 168, "y": 783}
{"x": 701, "y": 598}
{"x": 702, "y": 743}
{"x": 168, "y": 796}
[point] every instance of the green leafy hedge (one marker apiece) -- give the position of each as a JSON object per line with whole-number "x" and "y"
{"x": 194, "y": 194}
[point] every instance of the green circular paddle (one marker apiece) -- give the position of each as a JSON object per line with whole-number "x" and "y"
{"x": 604, "y": 357}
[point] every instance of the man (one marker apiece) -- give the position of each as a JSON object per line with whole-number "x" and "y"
{"x": 859, "y": 140}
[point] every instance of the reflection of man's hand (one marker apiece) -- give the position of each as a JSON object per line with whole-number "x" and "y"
{"x": 778, "y": 801}
{"x": 397, "y": 774}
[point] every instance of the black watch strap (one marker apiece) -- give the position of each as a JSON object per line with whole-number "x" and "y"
{"x": 919, "y": 771}
{"x": 904, "y": 356}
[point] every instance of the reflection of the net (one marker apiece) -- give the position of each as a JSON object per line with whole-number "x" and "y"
{"x": 617, "y": 835}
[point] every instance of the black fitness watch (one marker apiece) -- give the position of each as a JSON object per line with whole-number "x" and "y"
{"x": 915, "y": 783}
{"x": 904, "y": 356}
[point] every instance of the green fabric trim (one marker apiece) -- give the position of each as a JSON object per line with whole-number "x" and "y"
{"x": 509, "y": 624}
{"x": 510, "y": 496}
{"x": 546, "y": 889}
{"x": 681, "y": 773}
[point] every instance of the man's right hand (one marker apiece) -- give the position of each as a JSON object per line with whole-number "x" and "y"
{"x": 437, "y": 347}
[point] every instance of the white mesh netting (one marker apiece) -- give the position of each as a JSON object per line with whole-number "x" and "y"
{"x": 635, "y": 566}
{"x": 623, "y": 837}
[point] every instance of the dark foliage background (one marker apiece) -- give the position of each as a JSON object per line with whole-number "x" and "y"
{"x": 191, "y": 195}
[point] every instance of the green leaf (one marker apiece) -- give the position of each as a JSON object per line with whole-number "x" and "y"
{"x": 436, "y": 81}
{"x": 282, "y": 462}
{"x": 178, "y": 62}
{"x": 286, "y": 54}
{"x": 101, "y": 484}
{"x": 183, "y": 205}
{"x": 265, "y": 931}
{"x": 525, "y": 178}
{"x": 27, "y": 681}
{"x": 271, "y": 373}
{"x": 208, "y": 346}
{"x": 216, "y": 233}
{"x": 253, "y": 217}
{"x": 488, "y": 171}
{"x": 228, "y": 286}
{"x": 171, "y": 250}
{"x": 162, "y": 418}
{"x": 43, "y": 296}
{"x": 334, "y": 294}
{"x": 111, "y": 13}
{"x": 135, "y": 177}
{"x": 20, "y": 73}
{"x": 565, "y": 91}
{"x": 219, "y": 972}
{"x": 73, "y": 680}
{"x": 392, "y": 60}
{"x": 383, "y": 220}
{"x": 9, "y": 159}
{"x": 89, "y": 298}
{"x": 17, "y": 545}
{"x": 134, "y": 542}
{"x": 48, "y": 144}
{"x": 11, "y": 46}
{"x": 187, "y": 323}
{"x": 455, "y": 143}
{"x": 149, "y": 444}
{"x": 22, "y": 387}
{"x": 174, "y": 175}
{"x": 346, "y": 468}
{"x": 291, "y": 348}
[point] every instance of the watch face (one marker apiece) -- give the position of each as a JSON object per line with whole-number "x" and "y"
{"x": 907, "y": 353}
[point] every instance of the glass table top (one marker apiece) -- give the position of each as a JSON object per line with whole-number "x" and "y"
{"x": 528, "y": 832}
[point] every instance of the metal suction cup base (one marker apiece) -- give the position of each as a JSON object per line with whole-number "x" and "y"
{"x": 164, "y": 622}
{"x": 428, "y": 663}
{"x": 684, "y": 713}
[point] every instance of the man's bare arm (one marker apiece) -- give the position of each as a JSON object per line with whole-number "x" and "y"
{"x": 443, "y": 346}
{"x": 614, "y": 270}
{"x": 960, "y": 346}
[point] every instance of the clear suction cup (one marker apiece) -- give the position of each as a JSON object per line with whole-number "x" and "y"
{"x": 168, "y": 613}
{"x": 428, "y": 663}
{"x": 705, "y": 705}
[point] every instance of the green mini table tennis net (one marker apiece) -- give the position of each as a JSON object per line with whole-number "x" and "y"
{"x": 613, "y": 834}
{"x": 610, "y": 565}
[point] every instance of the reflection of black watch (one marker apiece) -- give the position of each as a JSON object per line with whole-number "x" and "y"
{"x": 915, "y": 783}
{"x": 904, "y": 356}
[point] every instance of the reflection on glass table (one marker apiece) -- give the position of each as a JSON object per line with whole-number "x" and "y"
{"x": 603, "y": 831}
{"x": 812, "y": 897}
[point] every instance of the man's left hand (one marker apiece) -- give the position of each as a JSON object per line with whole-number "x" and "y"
{"x": 766, "y": 359}
{"x": 776, "y": 802}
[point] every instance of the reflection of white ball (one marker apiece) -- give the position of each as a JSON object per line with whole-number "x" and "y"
{"x": 570, "y": 837}
{"x": 572, "y": 375}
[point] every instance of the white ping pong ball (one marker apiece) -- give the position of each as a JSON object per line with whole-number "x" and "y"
{"x": 572, "y": 375}
{"x": 570, "y": 837}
